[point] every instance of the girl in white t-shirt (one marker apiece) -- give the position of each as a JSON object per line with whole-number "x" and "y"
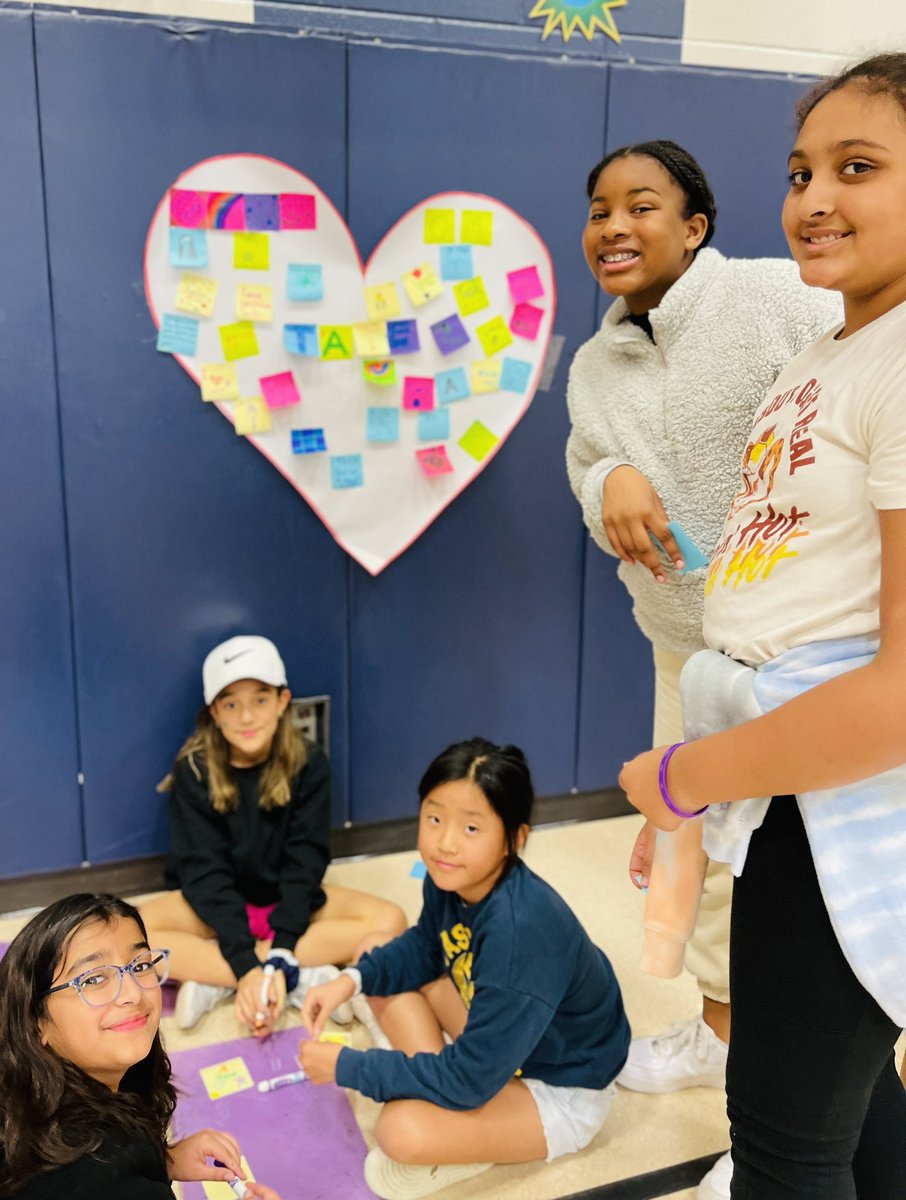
{"x": 803, "y": 698}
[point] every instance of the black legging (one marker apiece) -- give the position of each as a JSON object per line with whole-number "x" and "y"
{"x": 816, "y": 1108}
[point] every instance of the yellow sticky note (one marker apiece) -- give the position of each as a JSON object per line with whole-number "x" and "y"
{"x": 470, "y": 296}
{"x": 440, "y": 225}
{"x": 226, "y": 1078}
{"x": 382, "y": 301}
{"x": 370, "y": 338}
{"x": 251, "y": 251}
{"x": 335, "y": 341}
{"x": 335, "y": 1038}
{"x": 254, "y": 302}
{"x": 494, "y": 335}
{"x": 238, "y": 340}
{"x": 422, "y": 285}
{"x": 478, "y": 440}
{"x": 250, "y": 415}
{"x": 485, "y": 375}
{"x": 219, "y": 381}
{"x": 477, "y": 227}
{"x": 223, "y": 1191}
{"x": 196, "y": 294}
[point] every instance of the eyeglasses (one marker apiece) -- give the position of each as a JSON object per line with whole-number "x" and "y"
{"x": 102, "y": 985}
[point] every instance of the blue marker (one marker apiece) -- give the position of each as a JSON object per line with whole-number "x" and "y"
{"x": 236, "y": 1183}
{"x": 279, "y": 1081}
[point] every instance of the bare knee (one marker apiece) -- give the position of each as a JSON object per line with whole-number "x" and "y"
{"x": 390, "y": 927}
{"x": 390, "y": 920}
{"x": 400, "y": 1132}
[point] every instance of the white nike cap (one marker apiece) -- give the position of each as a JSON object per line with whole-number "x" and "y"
{"x": 243, "y": 657}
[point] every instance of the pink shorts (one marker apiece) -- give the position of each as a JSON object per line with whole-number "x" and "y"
{"x": 259, "y": 927}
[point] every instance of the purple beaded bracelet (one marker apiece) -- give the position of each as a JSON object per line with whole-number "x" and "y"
{"x": 662, "y": 783}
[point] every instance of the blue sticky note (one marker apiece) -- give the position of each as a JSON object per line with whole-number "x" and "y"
{"x": 346, "y": 471}
{"x": 450, "y": 334}
{"x": 419, "y": 870}
{"x": 262, "y": 213}
{"x": 302, "y": 339}
{"x": 434, "y": 426}
{"x": 403, "y": 337}
{"x": 692, "y": 556}
{"x": 308, "y": 441}
{"x": 188, "y": 247}
{"x": 383, "y": 425}
{"x": 514, "y": 375}
{"x": 456, "y": 262}
{"x": 178, "y": 335}
{"x": 451, "y": 385}
{"x": 305, "y": 281}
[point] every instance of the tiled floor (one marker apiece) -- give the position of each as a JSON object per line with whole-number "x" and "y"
{"x": 587, "y": 863}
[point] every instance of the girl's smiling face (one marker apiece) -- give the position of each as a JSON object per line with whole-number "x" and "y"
{"x": 843, "y": 214}
{"x": 248, "y": 713}
{"x": 106, "y": 1040}
{"x": 462, "y": 840}
{"x": 637, "y": 242}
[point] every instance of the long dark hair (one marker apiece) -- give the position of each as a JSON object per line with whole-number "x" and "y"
{"x": 685, "y": 171}
{"x": 880, "y": 75}
{"x": 503, "y": 776}
{"x": 51, "y": 1112}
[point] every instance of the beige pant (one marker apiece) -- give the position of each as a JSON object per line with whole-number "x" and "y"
{"x": 708, "y": 949}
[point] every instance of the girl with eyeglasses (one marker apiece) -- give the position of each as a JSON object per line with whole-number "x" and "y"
{"x": 85, "y": 1090}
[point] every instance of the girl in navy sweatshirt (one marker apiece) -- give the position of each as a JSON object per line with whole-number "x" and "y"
{"x": 507, "y": 1022}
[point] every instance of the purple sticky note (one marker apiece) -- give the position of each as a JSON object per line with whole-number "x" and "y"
{"x": 450, "y": 334}
{"x": 297, "y": 211}
{"x": 525, "y": 284}
{"x": 279, "y": 391}
{"x": 403, "y": 337}
{"x": 189, "y": 210}
{"x": 418, "y": 392}
{"x": 261, "y": 212}
{"x": 526, "y": 320}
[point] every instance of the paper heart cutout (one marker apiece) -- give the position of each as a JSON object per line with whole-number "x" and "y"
{"x": 375, "y": 505}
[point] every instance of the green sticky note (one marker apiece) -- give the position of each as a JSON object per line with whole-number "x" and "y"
{"x": 251, "y": 251}
{"x": 336, "y": 341}
{"x": 477, "y": 227}
{"x": 238, "y": 340}
{"x": 494, "y": 335}
{"x": 478, "y": 441}
{"x": 470, "y": 295}
{"x": 380, "y": 372}
{"x": 440, "y": 225}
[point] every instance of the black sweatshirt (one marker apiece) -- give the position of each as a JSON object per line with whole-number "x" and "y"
{"x": 133, "y": 1170}
{"x": 223, "y": 861}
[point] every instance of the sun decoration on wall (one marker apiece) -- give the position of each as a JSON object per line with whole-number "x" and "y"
{"x": 585, "y": 18}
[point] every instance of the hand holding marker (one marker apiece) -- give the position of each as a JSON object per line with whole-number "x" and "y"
{"x": 262, "y": 1014}
{"x": 236, "y": 1183}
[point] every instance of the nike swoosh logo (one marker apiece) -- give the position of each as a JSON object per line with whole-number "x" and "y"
{"x": 238, "y": 654}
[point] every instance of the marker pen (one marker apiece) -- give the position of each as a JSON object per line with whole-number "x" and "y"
{"x": 236, "y": 1183}
{"x": 261, "y": 1016}
{"x": 279, "y": 1081}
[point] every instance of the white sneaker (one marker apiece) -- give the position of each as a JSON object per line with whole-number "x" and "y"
{"x": 404, "y": 1181}
{"x": 361, "y": 1010}
{"x": 193, "y": 1000}
{"x": 716, "y": 1184}
{"x": 687, "y": 1055}
{"x": 310, "y": 977}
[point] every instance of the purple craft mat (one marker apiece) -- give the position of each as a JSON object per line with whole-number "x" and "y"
{"x": 301, "y": 1140}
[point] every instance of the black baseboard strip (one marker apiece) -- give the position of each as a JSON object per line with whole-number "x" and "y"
{"x": 665, "y": 1182}
{"x": 134, "y": 876}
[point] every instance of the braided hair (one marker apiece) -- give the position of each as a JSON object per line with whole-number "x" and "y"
{"x": 882, "y": 74}
{"x": 682, "y": 168}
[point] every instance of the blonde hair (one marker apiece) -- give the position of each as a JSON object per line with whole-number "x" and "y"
{"x": 206, "y": 746}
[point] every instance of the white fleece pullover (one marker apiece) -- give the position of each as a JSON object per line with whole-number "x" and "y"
{"x": 680, "y": 409}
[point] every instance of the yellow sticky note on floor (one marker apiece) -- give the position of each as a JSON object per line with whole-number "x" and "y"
{"x": 219, "y": 381}
{"x": 478, "y": 441}
{"x": 238, "y": 340}
{"x": 223, "y": 1191}
{"x": 382, "y": 301}
{"x": 251, "y": 415}
{"x": 422, "y": 285}
{"x": 370, "y": 338}
{"x": 477, "y": 227}
{"x": 196, "y": 294}
{"x": 494, "y": 335}
{"x": 251, "y": 251}
{"x": 226, "y": 1078}
{"x": 254, "y": 302}
{"x": 470, "y": 296}
{"x": 486, "y": 375}
{"x": 335, "y": 1038}
{"x": 440, "y": 225}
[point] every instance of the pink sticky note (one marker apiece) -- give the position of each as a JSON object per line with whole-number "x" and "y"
{"x": 279, "y": 391}
{"x": 525, "y": 321}
{"x": 297, "y": 211}
{"x": 188, "y": 210}
{"x": 433, "y": 460}
{"x": 418, "y": 392}
{"x": 525, "y": 284}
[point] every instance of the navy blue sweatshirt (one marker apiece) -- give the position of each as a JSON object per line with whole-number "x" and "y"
{"x": 223, "y": 861}
{"x": 543, "y": 1000}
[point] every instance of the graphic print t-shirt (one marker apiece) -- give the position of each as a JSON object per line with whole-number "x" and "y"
{"x": 799, "y": 559}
